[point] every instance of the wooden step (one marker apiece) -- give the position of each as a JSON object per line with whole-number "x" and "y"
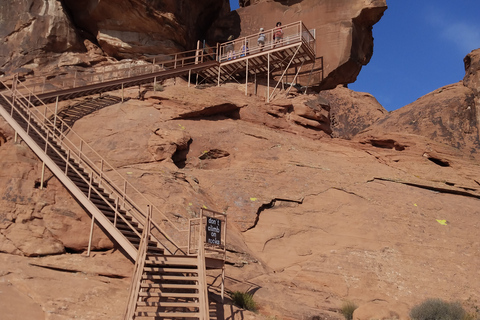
{"x": 152, "y": 277}
{"x": 171, "y": 260}
{"x": 170, "y": 304}
{"x": 170, "y": 270}
{"x": 161, "y": 315}
{"x": 167, "y": 295}
{"x": 168, "y": 286}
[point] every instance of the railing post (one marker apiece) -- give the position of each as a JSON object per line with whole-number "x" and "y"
{"x": 66, "y": 162}
{"x": 46, "y": 142}
{"x": 80, "y": 150}
{"x": 101, "y": 173}
{"x": 42, "y": 179}
{"x": 268, "y": 77}
{"x": 55, "y": 116}
{"x": 246, "y": 76}
{"x": 29, "y": 119}
{"x": 90, "y": 186}
{"x": 116, "y": 212}
{"x": 91, "y": 237}
{"x": 124, "y": 191}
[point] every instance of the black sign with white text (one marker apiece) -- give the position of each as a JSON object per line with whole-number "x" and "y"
{"x": 214, "y": 231}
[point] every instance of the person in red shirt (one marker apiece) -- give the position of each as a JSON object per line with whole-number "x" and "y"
{"x": 278, "y": 33}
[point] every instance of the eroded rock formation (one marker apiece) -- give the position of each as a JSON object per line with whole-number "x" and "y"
{"x": 36, "y": 32}
{"x": 83, "y": 32}
{"x": 343, "y": 31}
{"x": 448, "y": 115}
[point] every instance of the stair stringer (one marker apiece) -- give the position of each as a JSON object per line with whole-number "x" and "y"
{"x": 69, "y": 184}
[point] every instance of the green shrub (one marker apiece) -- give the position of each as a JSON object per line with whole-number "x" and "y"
{"x": 347, "y": 309}
{"x": 437, "y": 309}
{"x": 244, "y": 300}
{"x": 158, "y": 87}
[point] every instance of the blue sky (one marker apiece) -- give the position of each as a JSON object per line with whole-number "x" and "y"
{"x": 419, "y": 47}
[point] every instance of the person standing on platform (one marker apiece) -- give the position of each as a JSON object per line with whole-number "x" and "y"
{"x": 229, "y": 48}
{"x": 278, "y": 34}
{"x": 261, "y": 39}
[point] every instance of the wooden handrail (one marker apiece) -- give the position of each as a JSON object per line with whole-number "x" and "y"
{"x": 138, "y": 270}
{"x": 293, "y": 32}
{"x": 102, "y": 176}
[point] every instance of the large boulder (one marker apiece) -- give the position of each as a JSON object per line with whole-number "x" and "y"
{"x": 35, "y": 33}
{"x": 37, "y": 221}
{"x": 343, "y": 31}
{"x": 448, "y": 115}
{"x": 32, "y": 29}
{"x": 129, "y": 29}
{"x": 351, "y": 112}
{"x": 472, "y": 71}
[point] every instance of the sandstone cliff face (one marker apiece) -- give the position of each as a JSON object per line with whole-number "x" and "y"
{"x": 448, "y": 115}
{"x": 135, "y": 29}
{"x": 312, "y": 222}
{"x": 48, "y": 32}
{"x": 34, "y": 29}
{"x": 343, "y": 31}
{"x": 35, "y": 32}
{"x": 351, "y": 112}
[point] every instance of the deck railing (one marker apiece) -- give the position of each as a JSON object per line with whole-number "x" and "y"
{"x": 249, "y": 45}
{"x": 292, "y": 33}
{"x": 115, "y": 71}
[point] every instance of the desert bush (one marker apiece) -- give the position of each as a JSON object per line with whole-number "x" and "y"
{"x": 244, "y": 300}
{"x": 437, "y": 309}
{"x": 347, "y": 309}
{"x": 158, "y": 87}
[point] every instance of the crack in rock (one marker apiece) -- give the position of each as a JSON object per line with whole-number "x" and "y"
{"x": 270, "y": 205}
{"x": 436, "y": 189}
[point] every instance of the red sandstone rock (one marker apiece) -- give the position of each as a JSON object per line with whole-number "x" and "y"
{"x": 343, "y": 32}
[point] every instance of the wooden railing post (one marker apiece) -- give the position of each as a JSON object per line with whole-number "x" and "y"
{"x": 90, "y": 186}
{"x": 42, "y": 179}
{"x": 66, "y": 162}
{"x": 91, "y": 236}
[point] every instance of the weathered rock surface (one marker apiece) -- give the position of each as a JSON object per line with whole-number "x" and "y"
{"x": 385, "y": 219}
{"x": 351, "y": 112}
{"x": 447, "y": 115}
{"x": 33, "y": 30}
{"x": 133, "y": 29}
{"x": 51, "y": 34}
{"x": 313, "y": 221}
{"x": 35, "y": 222}
{"x": 343, "y": 31}
{"x": 37, "y": 33}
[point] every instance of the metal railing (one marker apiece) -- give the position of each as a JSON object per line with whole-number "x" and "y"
{"x": 116, "y": 71}
{"x": 126, "y": 196}
{"x": 292, "y": 33}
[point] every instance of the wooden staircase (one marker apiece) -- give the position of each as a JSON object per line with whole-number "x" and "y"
{"x": 166, "y": 286}
{"x": 169, "y": 280}
{"x": 170, "y": 288}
